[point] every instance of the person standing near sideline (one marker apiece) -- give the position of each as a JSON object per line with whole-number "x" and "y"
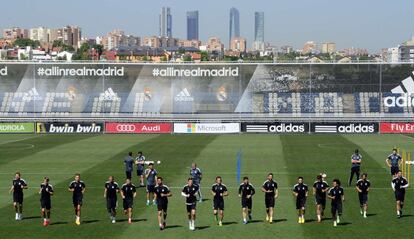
{"x": 129, "y": 165}
{"x": 356, "y": 159}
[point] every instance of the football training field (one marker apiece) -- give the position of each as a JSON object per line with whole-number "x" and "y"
{"x": 287, "y": 156}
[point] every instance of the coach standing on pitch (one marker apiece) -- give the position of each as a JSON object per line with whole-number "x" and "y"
{"x": 129, "y": 165}
{"x": 356, "y": 166}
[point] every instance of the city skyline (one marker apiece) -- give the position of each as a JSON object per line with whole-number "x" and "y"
{"x": 287, "y": 23}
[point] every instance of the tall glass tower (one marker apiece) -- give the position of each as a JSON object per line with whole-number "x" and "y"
{"x": 234, "y": 28}
{"x": 192, "y": 25}
{"x": 259, "y": 31}
{"x": 165, "y": 24}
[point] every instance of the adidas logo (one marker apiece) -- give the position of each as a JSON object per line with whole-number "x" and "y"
{"x": 109, "y": 94}
{"x": 405, "y": 100}
{"x": 32, "y": 94}
{"x": 184, "y": 96}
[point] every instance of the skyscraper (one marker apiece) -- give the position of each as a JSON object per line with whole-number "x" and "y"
{"x": 234, "y": 28}
{"x": 259, "y": 31}
{"x": 192, "y": 25}
{"x": 165, "y": 22}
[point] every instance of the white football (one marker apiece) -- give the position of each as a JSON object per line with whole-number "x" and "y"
{"x": 158, "y": 162}
{"x": 324, "y": 175}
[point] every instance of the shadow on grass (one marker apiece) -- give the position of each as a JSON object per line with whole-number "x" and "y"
{"x": 279, "y": 220}
{"x": 173, "y": 226}
{"x": 408, "y": 215}
{"x": 58, "y": 223}
{"x": 133, "y": 220}
{"x": 229, "y": 223}
{"x": 31, "y": 217}
{"x": 90, "y": 221}
{"x": 202, "y": 228}
{"x": 345, "y": 223}
{"x": 371, "y": 214}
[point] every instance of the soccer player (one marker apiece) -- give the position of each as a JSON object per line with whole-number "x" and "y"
{"x": 320, "y": 187}
{"x": 190, "y": 193}
{"x": 271, "y": 193}
{"x": 129, "y": 165}
{"x": 46, "y": 191}
{"x": 151, "y": 176}
{"x": 77, "y": 187}
{"x": 356, "y": 159}
{"x": 196, "y": 174}
{"x": 336, "y": 194}
{"x": 300, "y": 191}
{"x": 140, "y": 162}
{"x": 362, "y": 186}
{"x": 17, "y": 187}
{"x": 219, "y": 191}
{"x": 128, "y": 193}
{"x": 399, "y": 184}
{"x": 394, "y": 161}
{"x": 110, "y": 193}
{"x": 246, "y": 191}
{"x": 162, "y": 192}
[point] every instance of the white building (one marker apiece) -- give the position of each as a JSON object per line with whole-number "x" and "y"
{"x": 393, "y": 54}
{"x": 40, "y": 34}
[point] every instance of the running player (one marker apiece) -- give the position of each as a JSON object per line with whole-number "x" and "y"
{"x": 17, "y": 187}
{"x": 196, "y": 174}
{"x": 46, "y": 191}
{"x": 300, "y": 191}
{"x": 246, "y": 191}
{"x": 356, "y": 166}
{"x": 129, "y": 165}
{"x": 128, "y": 193}
{"x": 110, "y": 193}
{"x": 151, "y": 176}
{"x": 271, "y": 193}
{"x": 399, "y": 184}
{"x": 189, "y": 192}
{"x": 394, "y": 161}
{"x": 140, "y": 162}
{"x": 320, "y": 187}
{"x": 362, "y": 187}
{"x": 162, "y": 192}
{"x": 336, "y": 194}
{"x": 77, "y": 187}
{"x": 219, "y": 191}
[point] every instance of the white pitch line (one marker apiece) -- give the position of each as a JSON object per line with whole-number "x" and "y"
{"x": 17, "y": 140}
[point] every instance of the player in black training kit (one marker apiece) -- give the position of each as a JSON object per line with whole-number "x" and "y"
{"x": 246, "y": 191}
{"x": 320, "y": 188}
{"x": 362, "y": 186}
{"x": 78, "y": 188}
{"x": 128, "y": 193}
{"x": 399, "y": 184}
{"x": 110, "y": 193}
{"x": 271, "y": 193}
{"x": 336, "y": 194}
{"x": 300, "y": 191}
{"x": 190, "y": 193}
{"x": 394, "y": 161}
{"x": 46, "y": 191}
{"x": 18, "y": 185}
{"x": 162, "y": 192}
{"x": 219, "y": 191}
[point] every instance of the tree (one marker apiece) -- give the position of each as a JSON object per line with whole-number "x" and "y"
{"x": 204, "y": 56}
{"x": 187, "y": 58}
{"x": 24, "y": 42}
{"x": 63, "y": 46}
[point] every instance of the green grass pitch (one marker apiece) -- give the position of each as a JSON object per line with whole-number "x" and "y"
{"x": 287, "y": 156}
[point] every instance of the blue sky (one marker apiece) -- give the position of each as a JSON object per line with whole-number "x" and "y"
{"x": 359, "y": 23}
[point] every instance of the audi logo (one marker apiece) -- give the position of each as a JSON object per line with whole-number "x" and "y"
{"x": 125, "y": 128}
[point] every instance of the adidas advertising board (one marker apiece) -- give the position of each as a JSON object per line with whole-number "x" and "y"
{"x": 403, "y": 95}
{"x": 206, "y": 128}
{"x": 344, "y": 128}
{"x": 69, "y": 128}
{"x": 276, "y": 128}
